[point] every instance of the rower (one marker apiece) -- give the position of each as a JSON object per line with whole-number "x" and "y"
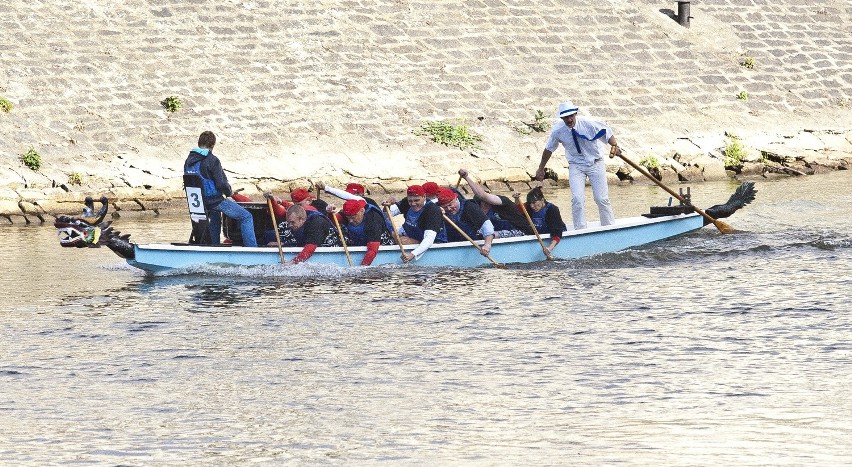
{"x": 364, "y": 225}
{"x": 545, "y": 216}
{"x": 505, "y": 215}
{"x": 308, "y": 229}
{"x": 424, "y": 223}
{"x": 468, "y": 216}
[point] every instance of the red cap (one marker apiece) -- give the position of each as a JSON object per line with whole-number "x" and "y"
{"x": 355, "y": 188}
{"x": 416, "y": 190}
{"x": 431, "y": 188}
{"x": 352, "y": 206}
{"x": 446, "y": 196}
{"x": 300, "y": 195}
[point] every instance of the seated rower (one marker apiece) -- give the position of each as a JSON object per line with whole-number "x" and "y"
{"x": 431, "y": 189}
{"x": 468, "y": 216}
{"x": 507, "y": 218}
{"x": 545, "y": 216}
{"x": 304, "y": 198}
{"x": 423, "y": 224}
{"x": 363, "y": 225}
{"x": 307, "y": 229}
{"x": 352, "y": 191}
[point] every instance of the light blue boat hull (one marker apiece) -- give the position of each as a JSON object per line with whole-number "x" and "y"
{"x": 625, "y": 233}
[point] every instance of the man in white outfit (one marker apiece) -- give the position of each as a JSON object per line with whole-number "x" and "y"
{"x": 585, "y": 142}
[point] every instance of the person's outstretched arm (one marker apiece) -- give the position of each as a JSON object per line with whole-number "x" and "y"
{"x": 342, "y": 194}
{"x": 545, "y": 156}
{"x": 489, "y": 198}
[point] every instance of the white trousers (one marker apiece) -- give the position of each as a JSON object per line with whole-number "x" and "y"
{"x": 596, "y": 173}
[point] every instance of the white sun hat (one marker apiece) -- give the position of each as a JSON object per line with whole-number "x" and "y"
{"x": 567, "y": 108}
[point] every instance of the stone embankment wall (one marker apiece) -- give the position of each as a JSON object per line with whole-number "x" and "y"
{"x": 334, "y": 90}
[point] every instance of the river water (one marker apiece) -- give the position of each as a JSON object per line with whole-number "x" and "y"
{"x": 707, "y": 349}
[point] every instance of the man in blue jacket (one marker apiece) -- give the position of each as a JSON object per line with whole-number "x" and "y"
{"x": 202, "y": 162}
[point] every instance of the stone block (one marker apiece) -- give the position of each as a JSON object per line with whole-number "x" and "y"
{"x": 10, "y": 178}
{"x": 824, "y": 165}
{"x": 520, "y": 187}
{"x": 125, "y": 192}
{"x": 54, "y": 208}
{"x": 673, "y": 163}
{"x": 843, "y": 157}
{"x": 23, "y": 219}
{"x": 31, "y": 209}
{"x": 691, "y": 174}
{"x": 63, "y": 196}
{"x": 837, "y": 141}
{"x": 801, "y": 166}
{"x": 804, "y": 140}
{"x": 132, "y": 215}
{"x": 126, "y": 205}
{"x": 714, "y": 169}
{"x": 752, "y": 168}
{"x": 706, "y": 143}
{"x": 612, "y": 178}
{"x": 395, "y": 187}
{"x": 9, "y": 206}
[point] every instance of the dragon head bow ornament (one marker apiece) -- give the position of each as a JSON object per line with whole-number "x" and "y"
{"x": 79, "y": 232}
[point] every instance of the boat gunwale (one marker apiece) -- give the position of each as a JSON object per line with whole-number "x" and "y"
{"x": 622, "y": 223}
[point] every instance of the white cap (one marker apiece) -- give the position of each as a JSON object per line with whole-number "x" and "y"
{"x": 567, "y": 108}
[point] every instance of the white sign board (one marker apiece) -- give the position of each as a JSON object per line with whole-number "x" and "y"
{"x": 194, "y": 199}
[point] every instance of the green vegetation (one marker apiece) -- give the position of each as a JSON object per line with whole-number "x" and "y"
{"x": 31, "y": 159}
{"x": 743, "y": 96}
{"x": 650, "y": 162}
{"x": 734, "y": 152}
{"x": 172, "y": 104}
{"x": 540, "y": 124}
{"x": 748, "y": 62}
{"x": 5, "y": 104}
{"x": 456, "y": 135}
{"x": 75, "y": 178}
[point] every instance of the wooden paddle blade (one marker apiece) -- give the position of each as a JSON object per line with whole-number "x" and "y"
{"x": 723, "y": 227}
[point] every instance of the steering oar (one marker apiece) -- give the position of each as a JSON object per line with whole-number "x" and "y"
{"x": 723, "y": 227}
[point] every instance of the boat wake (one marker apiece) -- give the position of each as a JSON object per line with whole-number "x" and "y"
{"x": 301, "y": 270}
{"x": 707, "y": 246}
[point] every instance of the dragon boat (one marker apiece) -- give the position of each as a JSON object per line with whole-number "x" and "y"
{"x": 659, "y": 224}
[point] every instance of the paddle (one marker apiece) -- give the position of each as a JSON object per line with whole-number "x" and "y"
{"x": 723, "y": 227}
{"x": 449, "y": 221}
{"x": 275, "y": 228}
{"x": 340, "y": 232}
{"x": 535, "y": 230}
{"x": 458, "y": 183}
{"x": 394, "y": 232}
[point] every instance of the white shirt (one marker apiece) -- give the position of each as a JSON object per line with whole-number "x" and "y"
{"x": 592, "y": 149}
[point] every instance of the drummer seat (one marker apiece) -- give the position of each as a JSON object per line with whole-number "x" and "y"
{"x": 194, "y": 188}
